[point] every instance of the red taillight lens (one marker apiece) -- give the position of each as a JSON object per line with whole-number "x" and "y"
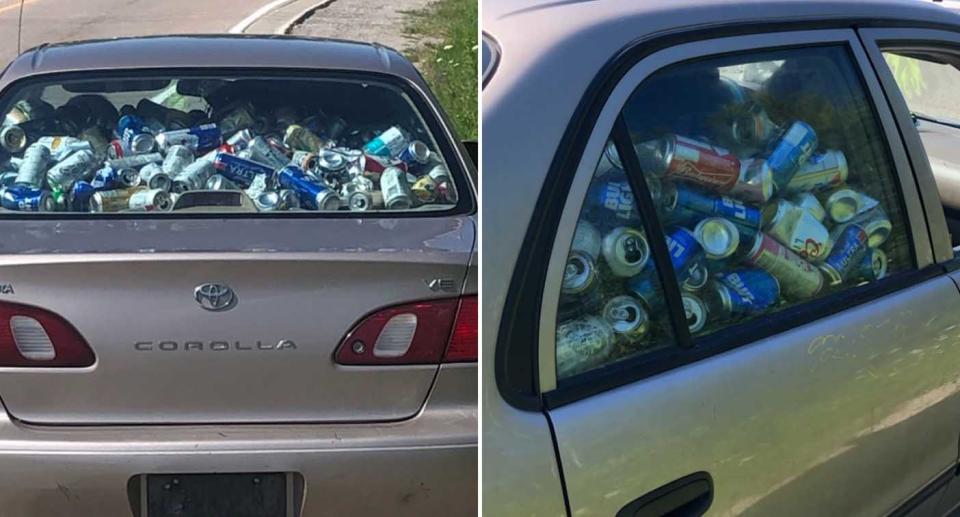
{"x": 413, "y": 333}
{"x": 463, "y": 343}
{"x": 30, "y": 336}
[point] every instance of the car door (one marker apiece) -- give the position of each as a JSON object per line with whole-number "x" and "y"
{"x": 244, "y": 297}
{"x": 918, "y": 69}
{"x": 811, "y": 368}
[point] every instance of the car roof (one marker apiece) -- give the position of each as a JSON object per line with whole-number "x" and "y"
{"x": 208, "y": 51}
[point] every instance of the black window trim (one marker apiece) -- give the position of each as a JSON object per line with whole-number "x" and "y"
{"x": 516, "y": 361}
{"x": 431, "y": 115}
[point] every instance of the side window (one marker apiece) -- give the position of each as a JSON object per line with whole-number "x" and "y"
{"x": 773, "y": 186}
{"x": 928, "y": 83}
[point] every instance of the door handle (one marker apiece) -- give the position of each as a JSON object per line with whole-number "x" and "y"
{"x": 689, "y": 496}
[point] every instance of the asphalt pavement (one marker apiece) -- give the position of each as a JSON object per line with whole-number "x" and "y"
{"x": 71, "y": 20}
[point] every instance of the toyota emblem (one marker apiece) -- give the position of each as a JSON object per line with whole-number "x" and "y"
{"x": 215, "y": 297}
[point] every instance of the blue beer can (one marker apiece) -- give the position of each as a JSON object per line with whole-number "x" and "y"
{"x": 645, "y": 287}
{"x": 791, "y": 151}
{"x": 80, "y": 196}
{"x": 198, "y": 138}
{"x": 688, "y": 200}
{"x": 240, "y": 170}
{"x": 312, "y": 195}
{"x": 108, "y": 178}
{"x": 615, "y": 197}
{"x": 24, "y": 198}
{"x": 849, "y": 248}
{"x": 135, "y": 135}
{"x": 746, "y": 291}
{"x": 684, "y": 249}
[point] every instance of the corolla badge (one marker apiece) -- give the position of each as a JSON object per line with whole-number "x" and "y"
{"x": 215, "y": 297}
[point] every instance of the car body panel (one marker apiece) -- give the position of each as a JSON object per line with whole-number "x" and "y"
{"x": 612, "y": 444}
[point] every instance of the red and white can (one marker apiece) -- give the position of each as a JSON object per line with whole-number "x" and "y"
{"x": 685, "y": 158}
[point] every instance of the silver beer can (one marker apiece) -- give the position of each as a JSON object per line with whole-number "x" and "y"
{"x": 718, "y": 237}
{"x": 220, "y": 182}
{"x": 695, "y": 311}
{"x": 844, "y": 204}
{"x": 63, "y": 146}
{"x": 397, "y": 194}
{"x": 627, "y": 317}
{"x": 177, "y": 159}
{"x": 150, "y": 200}
{"x": 877, "y": 225}
{"x": 193, "y": 176}
{"x": 363, "y": 200}
{"x": 33, "y": 168}
{"x": 583, "y": 344}
{"x": 13, "y": 139}
{"x": 72, "y": 169}
{"x": 626, "y": 251}
{"x": 587, "y": 238}
{"x": 153, "y": 177}
{"x": 138, "y": 160}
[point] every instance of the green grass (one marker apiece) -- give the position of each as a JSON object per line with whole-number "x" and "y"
{"x": 447, "y": 57}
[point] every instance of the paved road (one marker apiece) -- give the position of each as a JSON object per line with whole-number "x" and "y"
{"x": 68, "y": 20}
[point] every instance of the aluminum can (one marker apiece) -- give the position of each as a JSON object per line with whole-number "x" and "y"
{"x": 13, "y": 138}
{"x": 844, "y": 204}
{"x": 704, "y": 204}
{"x": 98, "y": 142}
{"x": 810, "y": 203}
{"x": 415, "y": 153}
{"x": 850, "y": 246}
{"x": 718, "y": 237}
{"x": 8, "y": 179}
{"x": 397, "y": 194}
{"x": 24, "y": 198}
{"x": 331, "y": 161}
{"x": 177, "y": 159}
{"x": 798, "y": 278}
{"x": 112, "y": 200}
{"x": 746, "y": 291}
{"x": 822, "y": 171}
{"x": 268, "y": 201}
{"x": 306, "y": 160}
{"x": 877, "y": 225}
{"x": 609, "y": 160}
{"x": 646, "y": 289}
{"x": 220, "y": 182}
{"x": 581, "y": 280}
{"x": 363, "y": 200}
{"x": 135, "y": 161}
{"x": 240, "y": 170}
{"x": 150, "y": 200}
{"x": 790, "y": 152}
{"x": 313, "y": 196}
{"x": 33, "y": 169}
{"x": 425, "y": 189}
{"x": 153, "y": 177}
{"x": 873, "y": 266}
{"x": 300, "y": 138}
{"x": 797, "y": 229}
{"x": 753, "y": 128}
{"x": 198, "y": 139}
{"x": 63, "y": 146}
{"x": 615, "y": 197}
{"x": 73, "y": 168}
{"x": 262, "y": 151}
{"x": 583, "y": 344}
{"x": 685, "y": 158}
{"x": 696, "y": 275}
{"x": 80, "y": 196}
{"x": 193, "y": 176}
{"x": 389, "y": 144}
{"x": 108, "y": 178}
{"x": 135, "y": 136}
{"x": 115, "y": 150}
{"x": 695, "y": 311}
{"x": 755, "y": 183}
{"x": 627, "y": 316}
{"x": 626, "y": 251}
{"x": 587, "y": 239}
{"x": 683, "y": 248}
{"x": 240, "y": 140}
{"x": 288, "y": 199}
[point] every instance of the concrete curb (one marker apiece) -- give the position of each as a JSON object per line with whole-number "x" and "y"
{"x": 256, "y": 15}
{"x": 306, "y": 13}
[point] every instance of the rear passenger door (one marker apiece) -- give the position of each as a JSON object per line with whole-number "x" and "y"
{"x": 742, "y": 310}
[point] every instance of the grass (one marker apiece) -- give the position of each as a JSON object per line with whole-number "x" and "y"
{"x": 447, "y": 57}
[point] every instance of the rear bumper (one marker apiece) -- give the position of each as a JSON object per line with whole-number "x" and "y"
{"x": 426, "y": 465}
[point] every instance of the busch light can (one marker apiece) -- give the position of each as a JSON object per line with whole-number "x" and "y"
{"x": 625, "y": 251}
{"x": 24, "y": 198}
{"x": 135, "y": 136}
{"x": 220, "y": 182}
{"x": 313, "y": 196}
{"x": 261, "y": 150}
{"x": 150, "y": 200}
{"x": 790, "y": 152}
{"x": 850, "y": 246}
{"x": 63, "y": 146}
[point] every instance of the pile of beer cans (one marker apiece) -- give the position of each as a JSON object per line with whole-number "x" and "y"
{"x": 88, "y": 156}
{"x": 779, "y": 222}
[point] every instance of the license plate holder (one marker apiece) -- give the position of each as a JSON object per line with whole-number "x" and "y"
{"x": 268, "y": 494}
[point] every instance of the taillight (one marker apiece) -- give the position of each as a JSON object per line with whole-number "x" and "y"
{"x": 30, "y": 336}
{"x": 413, "y": 333}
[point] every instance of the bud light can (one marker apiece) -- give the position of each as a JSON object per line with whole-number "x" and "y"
{"x": 705, "y": 204}
{"x": 24, "y": 198}
{"x": 850, "y": 246}
{"x": 614, "y": 197}
{"x": 790, "y": 152}
{"x": 746, "y": 291}
{"x": 313, "y": 196}
{"x": 695, "y": 311}
{"x": 80, "y": 196}
{"x": 646, "y": 289}
{"x": 683, "y": 248}
{"x": 135, "y": 136}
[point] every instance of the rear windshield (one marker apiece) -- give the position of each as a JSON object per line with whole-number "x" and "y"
{"x": 219, "y": 144}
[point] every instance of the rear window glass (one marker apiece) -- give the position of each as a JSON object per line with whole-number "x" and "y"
{"x": 196, "y": 144}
